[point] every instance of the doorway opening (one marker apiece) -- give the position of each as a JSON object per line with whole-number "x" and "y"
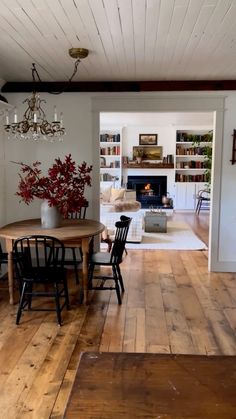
{"x": 120, "y": 134}
{"x": 159, "y": 103}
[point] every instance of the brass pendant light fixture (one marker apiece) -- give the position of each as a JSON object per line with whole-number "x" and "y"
{"x": 34, "y": 124}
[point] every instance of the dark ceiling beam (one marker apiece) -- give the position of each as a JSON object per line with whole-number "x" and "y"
{"x": 121, "y": 86}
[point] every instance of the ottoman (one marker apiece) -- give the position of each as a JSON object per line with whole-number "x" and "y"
{"x": 155, "y": 222}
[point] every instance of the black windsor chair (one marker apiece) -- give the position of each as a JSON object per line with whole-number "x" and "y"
{"x": 76, "y": 258}
{"x": 41, "y": 273}
{"x": 203, "y": 200}
{"x": 112, "y": 259}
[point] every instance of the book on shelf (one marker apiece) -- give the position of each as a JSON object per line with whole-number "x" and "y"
{"x": 191, "y": 136}
{"x": 189, "y": 151}
{"x": 180, "y": 177}
{"x": 110, "y": 151}
{"x": 110, "y": 138}
{"x": 191, "y": 164}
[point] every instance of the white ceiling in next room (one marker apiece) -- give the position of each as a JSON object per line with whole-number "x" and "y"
{"x": 132, "y": 119}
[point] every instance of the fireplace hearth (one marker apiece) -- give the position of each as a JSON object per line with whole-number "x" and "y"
{"x": 149, "y": 189}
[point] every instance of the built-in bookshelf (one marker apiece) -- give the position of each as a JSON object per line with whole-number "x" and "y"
{"x": 191, "y": 162}
{"x": 110, "y": 157}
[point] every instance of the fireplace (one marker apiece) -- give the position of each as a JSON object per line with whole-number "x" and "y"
{"x": 149, "y": 189}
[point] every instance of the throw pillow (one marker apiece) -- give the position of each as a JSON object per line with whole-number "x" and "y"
{"x": 106, "y": 194}
{"x": 117, "y": 194}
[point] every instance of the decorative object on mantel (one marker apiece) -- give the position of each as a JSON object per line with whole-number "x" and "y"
{"x": 139, "y": 154}
{"x": 34, "y": 124}
{"x": 168, "y": 159}
{"x": 149, "y": 153}
{"x": 233, "y": 160}
{"x": 62, "y": 189}
{"x": 147, "y": 139}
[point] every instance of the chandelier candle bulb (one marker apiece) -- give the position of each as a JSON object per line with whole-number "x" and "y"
{"x": 15, "y": 116}
{"x": 35, "y": 117}
{"x": 61, "y": 119}
{"x": 55, "y": 114}
{"x": 7, "y": 118}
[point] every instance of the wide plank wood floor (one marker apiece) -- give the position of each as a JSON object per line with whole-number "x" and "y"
{"x": 172, "y": 304}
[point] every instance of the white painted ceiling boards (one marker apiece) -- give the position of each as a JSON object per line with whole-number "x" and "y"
{"x": 127, "y": 39}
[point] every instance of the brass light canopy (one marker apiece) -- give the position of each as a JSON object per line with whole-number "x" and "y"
{"x": 78, "y": 53}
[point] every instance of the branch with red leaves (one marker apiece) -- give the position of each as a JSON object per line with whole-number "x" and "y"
{"x": 63, "y": 187}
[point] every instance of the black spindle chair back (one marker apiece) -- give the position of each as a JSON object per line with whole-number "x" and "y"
{"x": 40, "y": 263}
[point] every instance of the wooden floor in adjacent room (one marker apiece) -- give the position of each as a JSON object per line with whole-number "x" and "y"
{"x": 171, "y": 304}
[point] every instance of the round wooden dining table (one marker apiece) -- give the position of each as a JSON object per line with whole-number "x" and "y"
{"x": 73, "y": 233}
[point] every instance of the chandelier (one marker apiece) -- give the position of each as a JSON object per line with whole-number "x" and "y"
{"x": 34, "y": 124}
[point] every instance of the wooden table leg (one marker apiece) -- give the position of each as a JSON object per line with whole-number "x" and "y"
{"x": 10, "y": 269}
{"x": 85, "y": 250}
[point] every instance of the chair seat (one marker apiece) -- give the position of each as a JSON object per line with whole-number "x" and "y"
{"x": 4, "y": 258}
{"x": 203, "y": 198}
{"x": 44, "y": 275}
{"x": 101, "y": 258}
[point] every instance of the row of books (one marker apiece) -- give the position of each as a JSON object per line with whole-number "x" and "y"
{"x": 192, "y": 164}
{"x": 191, "y": 178}
{"x": 187, "y": 137}
{"x": 110, "y": 138}
{"x": 114, "y": 164}
{"x": 104, "y": 177}
{"x": 110, "y": 151}
{"x": 190, "y": 151}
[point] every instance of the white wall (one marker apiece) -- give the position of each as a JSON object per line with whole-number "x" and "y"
{"x": 2, "y": 180}
{"x": 77, "y": 141}
{"x": 227, "y": 231}
{"x": 166, "y": 139}
{"x": 82, "y": 141}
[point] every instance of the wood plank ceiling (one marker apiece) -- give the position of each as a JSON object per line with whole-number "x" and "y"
{"x": 128, "y": 40}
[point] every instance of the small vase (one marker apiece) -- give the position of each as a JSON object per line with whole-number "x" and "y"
{"x": 50, "y": 216}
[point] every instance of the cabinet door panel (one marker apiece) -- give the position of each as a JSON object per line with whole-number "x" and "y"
{"x": 185, "y": 196}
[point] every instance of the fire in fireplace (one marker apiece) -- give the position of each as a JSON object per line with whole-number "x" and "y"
{"x": 149, "y": 189}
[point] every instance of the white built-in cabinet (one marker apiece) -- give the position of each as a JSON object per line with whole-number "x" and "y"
{"x": 186, "y": 195}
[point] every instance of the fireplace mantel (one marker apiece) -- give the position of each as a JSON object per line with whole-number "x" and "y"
{"x": 144, "y": 165}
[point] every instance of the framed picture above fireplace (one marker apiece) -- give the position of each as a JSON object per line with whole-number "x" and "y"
{"x": 148, "y": 153}
{"x": 147, "y": 139}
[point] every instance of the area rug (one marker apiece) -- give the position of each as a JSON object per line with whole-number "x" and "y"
{"x": 179, "y": 236}
{"x": 136, "y": 227}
